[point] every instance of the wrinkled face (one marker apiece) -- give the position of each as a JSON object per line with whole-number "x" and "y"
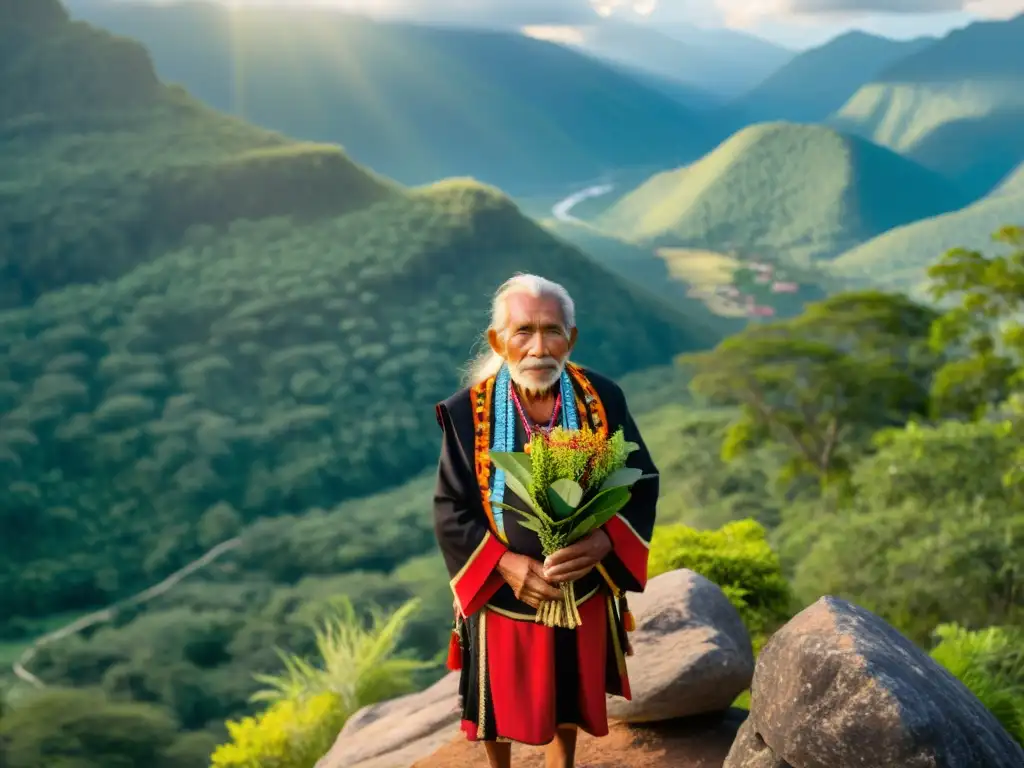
{"x": 535, "y": 342}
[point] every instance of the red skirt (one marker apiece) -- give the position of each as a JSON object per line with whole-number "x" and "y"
{"x": 522, "y": 680}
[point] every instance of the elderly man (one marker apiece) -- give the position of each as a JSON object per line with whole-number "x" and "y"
{"x": 522, "y": 681}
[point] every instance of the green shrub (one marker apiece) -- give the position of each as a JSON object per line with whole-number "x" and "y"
{"x": 904, "y": 561}
{"x": 310, "y": 703}
{"x": 738, "y": 559}
{"x": 990, "y": 662}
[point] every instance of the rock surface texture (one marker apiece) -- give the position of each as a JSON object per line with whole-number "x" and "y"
{"x": 837, "y": 687}
{"x": 692, "y": 652}
{"x": 694, "y": 742}
{"x": 397, "y": 733}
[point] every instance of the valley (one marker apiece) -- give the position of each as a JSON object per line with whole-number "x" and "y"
{"x": 245, "y": 250}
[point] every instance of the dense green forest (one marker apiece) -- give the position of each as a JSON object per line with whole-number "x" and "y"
{"x": 212, "y": 333}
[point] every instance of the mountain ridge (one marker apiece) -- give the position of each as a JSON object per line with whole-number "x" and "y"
{"x": 953, "y": 106}
{"x": 806, "y": 191}
{"x": 818, "y": 81}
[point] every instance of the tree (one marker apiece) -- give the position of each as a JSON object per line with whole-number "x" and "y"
{"x": 931, "y": 535}
{"x": 83, "y": 729}
{"x": 983, "y": 335}
{"x": 821, "y": 384}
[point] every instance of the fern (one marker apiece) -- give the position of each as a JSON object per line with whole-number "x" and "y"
{"x": 990, "y": 662}
{"x": 311, "y": 700}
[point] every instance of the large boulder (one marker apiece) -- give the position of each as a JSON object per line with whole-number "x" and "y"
{"x": 397, "y": 733}
{"x": 692, "y": 653}
{"x": 838, "y": 687}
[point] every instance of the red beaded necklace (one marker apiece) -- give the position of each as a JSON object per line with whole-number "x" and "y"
{"x": 526, "y": 421}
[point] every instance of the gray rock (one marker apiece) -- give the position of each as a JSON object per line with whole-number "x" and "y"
{"x": 692, "y": 651}
{"x": 838, "y": 687}
{"x": 397, "y": 733}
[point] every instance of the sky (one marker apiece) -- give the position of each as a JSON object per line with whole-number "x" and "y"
{"x": 796, "y": 24}
{"x": 804, "y": 23}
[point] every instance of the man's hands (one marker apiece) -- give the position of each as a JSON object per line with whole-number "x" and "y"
{"x": 526, "y": 577}
{"x": 577, "y": 560}
{"x": 532, "y": 582}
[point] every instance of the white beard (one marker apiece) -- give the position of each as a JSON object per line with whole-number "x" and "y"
{"x": 536, "y": 381}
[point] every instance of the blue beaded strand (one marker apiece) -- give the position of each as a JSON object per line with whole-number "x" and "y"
{"x": 505, "y": 431}
{"x": 504, "y": 440}
{"x": 570, "y": 417}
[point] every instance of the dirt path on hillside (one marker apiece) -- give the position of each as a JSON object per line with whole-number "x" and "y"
{"x": 20, "y": 667}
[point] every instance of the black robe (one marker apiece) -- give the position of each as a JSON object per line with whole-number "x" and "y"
{"x": 471, "y": 548}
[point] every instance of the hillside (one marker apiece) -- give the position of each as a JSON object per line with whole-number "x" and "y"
{"x": 900, "y": 258}
{"x": 784, "y": 189}
{"x": 416, "y": 103}
{"x": 817, "y": 82}
{"x": 719, "y": 290}
{"x": 180, "y": 355}
{"x": 955, "y": 106}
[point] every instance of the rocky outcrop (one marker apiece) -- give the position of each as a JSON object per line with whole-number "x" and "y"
{"x": 397, "y": 733}
{"x": 837, "y": 687}
{"x": 694, "y": 742}
{"x": 692, "y": 651}
{"x": 692, "y": 656}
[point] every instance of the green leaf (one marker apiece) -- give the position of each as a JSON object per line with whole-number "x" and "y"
{"x": 601, "y": 498}
{"x": 518, "y": 465}
{"x": 565, "y": 496}
{"x": 622, "y": 478}
{"x": 535, "y": 512}
{"x": 533, "y": 524}
{"x": 598, "y": 517}
{"x": 519, "y": 488}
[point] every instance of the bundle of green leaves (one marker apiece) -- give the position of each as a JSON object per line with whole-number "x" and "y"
{"x": 573, "y": 481}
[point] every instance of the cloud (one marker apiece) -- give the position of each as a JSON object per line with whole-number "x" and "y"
{"x": 996, "y": 9}
{"x": 813, "y": 7}
{"x": 744, "y": 12}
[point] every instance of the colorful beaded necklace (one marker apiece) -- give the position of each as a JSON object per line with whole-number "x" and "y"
{"x": 505, "y": 429}
{"x": 527, "y": 426}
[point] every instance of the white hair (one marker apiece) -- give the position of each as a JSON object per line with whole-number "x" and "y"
{"x": 487, "y": 363}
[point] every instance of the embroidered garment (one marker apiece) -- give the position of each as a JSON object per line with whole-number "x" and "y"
{"x": 520, "y": 679}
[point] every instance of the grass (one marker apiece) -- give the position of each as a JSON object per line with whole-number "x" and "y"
{"x": 790, "y": 191}
{"x": 696, "y": 281}
{"x": 705, "y": 272}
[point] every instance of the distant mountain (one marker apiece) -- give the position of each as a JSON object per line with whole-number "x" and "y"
{"x": 901, "y": 257}
{"x": 801, "y": 191}
{"x": 955, "y": 106}
{"x": 719, "y": 62}
{"x": 413, "y": 102}
{"x": 744, "y": 60}
{"x": 817, "y": 82}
